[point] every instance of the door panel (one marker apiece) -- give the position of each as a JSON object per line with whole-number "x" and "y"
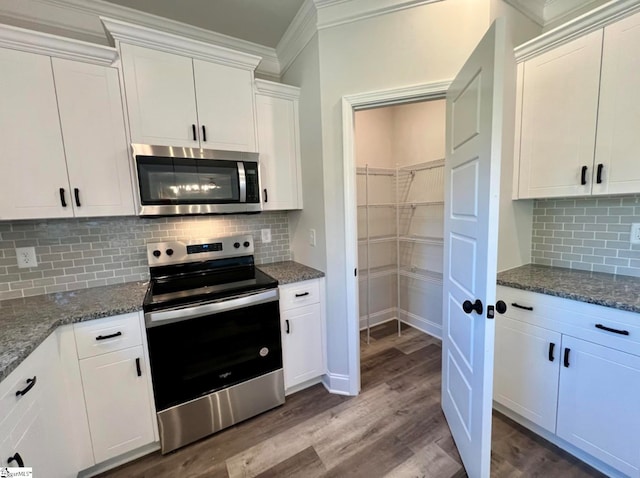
{"x": 472, "y": 184}
{"x": 32, "y": 160}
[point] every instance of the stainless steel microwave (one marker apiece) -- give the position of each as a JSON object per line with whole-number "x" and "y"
{"x": 187, "y": 181}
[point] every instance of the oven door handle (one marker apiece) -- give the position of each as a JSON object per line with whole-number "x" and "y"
{"x": 153, "y": 319}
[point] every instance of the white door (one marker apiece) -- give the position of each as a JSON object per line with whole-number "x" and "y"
{"x": 161, "y": 97}
{"x": 34, "y": 173}
{"x": 94, "y": 138}
{"x": 472, "y": 186}
{"x": 302, "y": 344}
{"x": 226, "y": 110}
{"x": 279, "y": 152}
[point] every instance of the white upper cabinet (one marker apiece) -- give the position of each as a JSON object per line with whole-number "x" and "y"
{"x": 184, "y": 92}
{"x": 618, "y": 141}
{"x": 32, "y": 161}
{"x": 577, "y": 110}
{"x": 279, "y": 145}
{"x": 225, "y": 107}
{"x": 559, "y": 105}
{"x": 95, "y": 144}
{"x": 63, "y": 130}
{"x": 161, "y": 97}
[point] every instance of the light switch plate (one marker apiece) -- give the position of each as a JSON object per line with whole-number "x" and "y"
{"x": 635, "y": 233}
{"x": 266, "y": 235}
{"x": 26, "y": 257}
{"x": 312, "y": 237}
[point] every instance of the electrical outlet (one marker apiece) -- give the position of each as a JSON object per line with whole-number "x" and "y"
{"x": 312, "y": 237}
{"x": 26, "y": 257}
{"x": 266, "y": 235}
{"x": 635, "y": 233}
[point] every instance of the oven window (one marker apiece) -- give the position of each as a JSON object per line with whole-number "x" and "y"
{"x": 187, "y": 181}
{"x": 195, "y": 357}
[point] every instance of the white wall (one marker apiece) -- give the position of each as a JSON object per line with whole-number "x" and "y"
{"x": 516, "y": 217}
{"x": 419, "y": 132}
{"x": 304, "y": 73}
{"x": 373, "y": 138}
{"x": 423, "y": 44}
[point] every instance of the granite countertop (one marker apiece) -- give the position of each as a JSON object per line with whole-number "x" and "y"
{"x": 287, "y": 272}
{"x": 26, "y": 323}
{"x": 609, "y": 290}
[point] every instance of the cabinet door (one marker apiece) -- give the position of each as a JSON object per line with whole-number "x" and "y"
{"x": 225, "y": 107}
{"x": 160, "y": 95}
{"x": 95, "y": 144}
{"x": 559, "y": 110}
{"x": 278, "y": 143}
{"x": 618, "y": 142}
{"x": 32, "y": 160}
{"x": 30, "y": 442}
{"x": 598, "y": 403}
{"x": 302, "y": 347}
{"x": 526, "y": 370}
{"x": 117, "y": 402}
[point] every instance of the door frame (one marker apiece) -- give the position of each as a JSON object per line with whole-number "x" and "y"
{"x": 351, "y": 104}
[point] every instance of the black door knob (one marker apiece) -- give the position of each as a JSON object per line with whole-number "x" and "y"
{"x": 467, "y": 306}
{"x": 501, "y": 307}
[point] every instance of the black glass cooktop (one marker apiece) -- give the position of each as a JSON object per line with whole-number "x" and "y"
{"x": 207, "y": 281}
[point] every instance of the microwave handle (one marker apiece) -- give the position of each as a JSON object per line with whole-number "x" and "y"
{"x": 242, "y": 179}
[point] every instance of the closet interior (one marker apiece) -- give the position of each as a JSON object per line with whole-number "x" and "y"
{"x": 400, "y": 181}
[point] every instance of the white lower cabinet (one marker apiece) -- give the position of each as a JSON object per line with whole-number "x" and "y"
{"x": 116, "y": 385}
{"x": 598, "y": 403}
{"x": 117, "y": 398}
{"x": 526, "y": 371}
{"x": 302, "y": 327}
{"x": 585, "y": 388}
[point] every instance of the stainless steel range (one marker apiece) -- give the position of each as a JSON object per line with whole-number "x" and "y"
{"x": 213, "y": 329}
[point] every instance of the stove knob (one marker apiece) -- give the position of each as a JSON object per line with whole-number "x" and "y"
{"x": 157, "y": 253}
{"x": 169, "y": 252}
{"x": 247, "y": 243}
{"x": 236, "y": 245}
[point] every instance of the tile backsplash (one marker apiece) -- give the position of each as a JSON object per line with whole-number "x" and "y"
{"x": 80, "y": 253}
{"x": 590, "y": 234}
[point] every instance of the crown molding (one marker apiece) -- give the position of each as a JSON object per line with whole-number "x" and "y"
{"x": 53, "y": 45}
{"x": 587, "y": 23}
{"x": 300, "y": 32}
{"x": 332, "y": 13}
{"x": 149, "y": 37}
{"x": 395, "y": 96}
{"x": 80, "y": 17}
{"x": 279, "y": 90}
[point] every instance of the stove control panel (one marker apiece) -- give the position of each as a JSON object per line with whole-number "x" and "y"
{"x": 178, "y": 252}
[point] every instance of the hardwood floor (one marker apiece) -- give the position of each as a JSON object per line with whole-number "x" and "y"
{"x": 394, "y": 428}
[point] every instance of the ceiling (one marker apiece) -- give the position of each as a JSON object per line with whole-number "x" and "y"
{"x": 546, "y": 12}
{"x": 258, "y": 21}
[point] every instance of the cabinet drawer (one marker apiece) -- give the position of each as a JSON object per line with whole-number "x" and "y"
{"x": 606, "y": 326}
{"x": 101, "y": 336}
{"x": 35, "y": 366}
{"x": 299, "y": 294}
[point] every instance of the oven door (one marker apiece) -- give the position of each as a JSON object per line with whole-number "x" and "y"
{"x": 197, "y": 350}
{"x": 195, "y": 181}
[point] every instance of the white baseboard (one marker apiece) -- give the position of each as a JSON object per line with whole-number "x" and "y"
{"x": 559, "y": 442}
{"x": 303, "y": 385}
{"x": 119, "y": 460}
{"x": 337, "y": 383}
{"x": 378, "y": 318}
{"x": 422, "y": 324}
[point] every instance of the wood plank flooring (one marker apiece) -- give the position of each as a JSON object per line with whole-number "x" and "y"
{"x": 394, "y": 428}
